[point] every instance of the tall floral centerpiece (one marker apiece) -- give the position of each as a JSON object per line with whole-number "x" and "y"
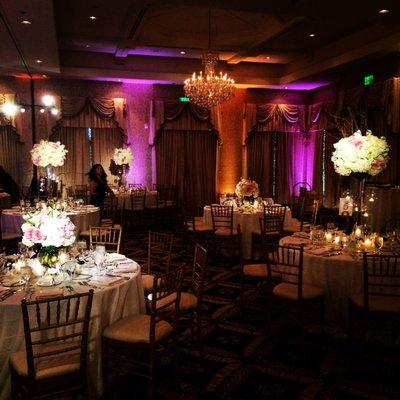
{"x": 48, "y": 230}
{"x": 360, "y": 156}
{"x": 47, "y": 155}
{"x": 247, "y": 190}
{"x": 122, "y": 157}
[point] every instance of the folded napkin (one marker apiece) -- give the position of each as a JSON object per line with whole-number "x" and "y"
{"x": 115, "y": 257}
{"x": 49, "y": 293}
{"x": 319, "y": 251}
{"x": 304, "y": 235}
{"x": 105, "y": 280}
{"x": 130, "y": 266}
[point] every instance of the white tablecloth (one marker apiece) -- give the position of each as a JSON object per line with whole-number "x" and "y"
{"x": 124, "y": 200}
{"x": 340, "y": 276}
{"x": 248, "y": 223}
{"x": 11, "y": 220}
{"x": 5, "y": 200}
{"x": 109, "y": 305}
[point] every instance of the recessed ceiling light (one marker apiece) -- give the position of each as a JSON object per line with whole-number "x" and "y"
{"x": 312, "y": 35}
{"x": 44, "y": 76}
{"x": 92, "y": 17}
{"x": 183, "y": 52}
{"x": 285, "y": 87}
{"x": 87, "y": 45}
{"x": 38, "y": 61}
{"x": 26, "y": 22}
{"x": 383, "y": 11}
{"x": 268, "y": 57}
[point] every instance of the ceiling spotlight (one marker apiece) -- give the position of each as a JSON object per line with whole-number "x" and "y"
{"x": 92, "y": 17}
{"x": 44, "y": 76}
{"x": 312, "y": 35}
{"x": 183, "y": 52}
{"x": 48, "y": 100}
{"x": 54, "y": 111}
{"x": 268, "y": 57}
{"x": 22, "y": 109}
{"x": 285, "y": 87}
{"x": 384, "y": 11}
{"x": 87, "y": 45}
{"x": 38, "y": 61}
{"x": 9, "y": 109}
{"x": 26, "y": 22}
{"x": 42, "y": 110}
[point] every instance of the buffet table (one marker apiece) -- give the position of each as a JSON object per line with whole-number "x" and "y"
{"x": 111, "y": 301}
{"x": 83, "y": 217}
{"x": 339, "y": 275}
{"x": 249, "y": 223}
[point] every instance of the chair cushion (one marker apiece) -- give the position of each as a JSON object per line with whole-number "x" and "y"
{"x": 289, "y": 291}
{"x": 136, "y": 329}
{"x": 255, "y": 270}
{"x": 47, "y": 367}
{"x": 225, "y": 232}
{"x": 378, "y": 303}
{"x": 147, "y": 282}
{"x": 10, "y": 236}
{"x": 188, "y": 301}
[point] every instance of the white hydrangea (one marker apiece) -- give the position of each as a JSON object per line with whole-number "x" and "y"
{"x": 48, "y": 153}
{"x": 122, "y": 156}
{"x": 360, "y": 154}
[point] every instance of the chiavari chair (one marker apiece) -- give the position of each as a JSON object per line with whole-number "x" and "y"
{"x": 159, "y": 250}
{"x": 138, "y": 199}
{"x": 140, "y": 332}
{"x": 134, "y": 186}
{"x": 54, "y": 361}
{"x": 285, "y": 265}
{"x": 380, "y": 298}
{"x": 270, "y": 227}
{"x": 107, "y": 236}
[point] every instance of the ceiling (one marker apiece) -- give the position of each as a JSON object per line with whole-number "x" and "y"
{"x": 260, "y": 43}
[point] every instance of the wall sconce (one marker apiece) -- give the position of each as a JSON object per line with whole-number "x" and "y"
{"x": 48, "y": 101}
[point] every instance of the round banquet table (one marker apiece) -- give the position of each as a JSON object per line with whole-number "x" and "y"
{"x": 5, "y": 200}
{"x": 249, "y": 223}
{"x": 110, "y": 303}
{"x": 125, "y": 202}
{"x": 86, "y": 216}
{"x": 340, "y": 276}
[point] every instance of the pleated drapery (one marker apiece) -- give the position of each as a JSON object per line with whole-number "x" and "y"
{"x": 187, "y": 159}
{"x": 10, "y": 151}
{"x": 77, "y": 161}
{"x": 260, "y": 160}
{"x": 104, "y": 142}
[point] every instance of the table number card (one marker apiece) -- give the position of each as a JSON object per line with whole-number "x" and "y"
{"x": 346, "y": 206}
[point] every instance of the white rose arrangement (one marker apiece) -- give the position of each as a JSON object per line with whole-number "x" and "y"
{"x": 48, "y": 153}
{"x": 360, "y": 154}
{"x": 246, "y": 188}
{"x": 122, "y": 156}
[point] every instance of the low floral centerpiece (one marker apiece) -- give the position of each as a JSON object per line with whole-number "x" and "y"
{"x": 48, "y": 230}
{"x": 247, "y": 190}
{"x": 360, "y": 155}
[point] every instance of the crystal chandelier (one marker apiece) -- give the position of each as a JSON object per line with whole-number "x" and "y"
{"x": 209, "y": 89}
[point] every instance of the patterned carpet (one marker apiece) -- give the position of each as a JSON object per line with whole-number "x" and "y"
{"x": 240, "y": 360}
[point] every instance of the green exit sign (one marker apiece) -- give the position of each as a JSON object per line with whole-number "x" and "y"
{"x": 184, "y": 99}
{"x": 368, "y": 80}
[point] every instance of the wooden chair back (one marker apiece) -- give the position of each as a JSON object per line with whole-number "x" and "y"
{"x": 107, "y": 236}
{"x": 62, "y": 321}
{"x": 199, "y": 271}
{"x": 286, "y": 262}
{"x": 222, "y": 217}
{"x": 274, "y": 217}
{"x": 110, "y": 209}
{"x": 165, "y": 299}
{"x": 161, "y": 197}
{"x": 381, "y": 275}
{"x": 138, "y": 199}
{"x": 81, "y": 192}
{"x": 159, "y": 250}
{"x": 134, "y": 186}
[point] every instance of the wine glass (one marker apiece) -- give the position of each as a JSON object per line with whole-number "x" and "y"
{"x": 69, "y": 268}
